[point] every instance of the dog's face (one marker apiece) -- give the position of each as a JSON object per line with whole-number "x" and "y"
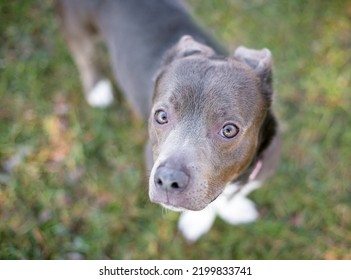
{"x": 205, "y": 122}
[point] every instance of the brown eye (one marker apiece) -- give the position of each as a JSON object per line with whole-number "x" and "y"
{"x": 229, "y": 131}
{"x": 161, "y": 117}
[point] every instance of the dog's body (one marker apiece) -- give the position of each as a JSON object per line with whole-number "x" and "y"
{"x": 211, "y": 128}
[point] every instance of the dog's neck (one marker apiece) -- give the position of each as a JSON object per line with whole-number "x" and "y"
{"x": 138, "y": 46}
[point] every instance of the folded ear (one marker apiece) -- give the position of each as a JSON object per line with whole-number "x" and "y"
{"x": 187, "y": 46}
{"x": 261, "y": 62}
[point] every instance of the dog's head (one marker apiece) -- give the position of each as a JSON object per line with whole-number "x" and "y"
{"x": 206, "y": 120}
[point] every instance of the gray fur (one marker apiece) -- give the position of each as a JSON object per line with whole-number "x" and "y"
{"x": 162, "y": 60}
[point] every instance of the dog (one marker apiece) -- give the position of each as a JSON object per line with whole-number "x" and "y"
{"x": 213, "y": 137}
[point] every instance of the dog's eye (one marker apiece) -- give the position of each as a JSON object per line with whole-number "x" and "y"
{"x": 229, "y": 131}
{"x": 161, "y": 117}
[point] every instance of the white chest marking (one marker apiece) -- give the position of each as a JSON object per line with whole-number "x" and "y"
{"x": 234, "y": 209}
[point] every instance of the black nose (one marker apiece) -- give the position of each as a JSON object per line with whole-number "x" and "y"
{"x": 171, "y": 179}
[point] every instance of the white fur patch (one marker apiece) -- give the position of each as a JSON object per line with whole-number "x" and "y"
{"x": 249, "y": 187}
{"x": 194, "y": 224}
{"x": 232, "y": 206}
{"x": 238, "y": 210}
{"x": 101, "y": 96}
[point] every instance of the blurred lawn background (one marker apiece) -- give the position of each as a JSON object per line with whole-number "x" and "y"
{"x": 72, "y": 179}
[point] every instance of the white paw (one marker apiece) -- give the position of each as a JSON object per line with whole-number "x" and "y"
{"x": 101, "y": 96}
{"x": 238, "y": 210}
{"x": 194, "y": 224}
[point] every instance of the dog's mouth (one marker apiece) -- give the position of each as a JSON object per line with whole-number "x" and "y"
{"x": 173, "y": 201}
{"x": 194, "y": 196}
{"x": 194, "y": 200}
{"x": 173, "y": 208}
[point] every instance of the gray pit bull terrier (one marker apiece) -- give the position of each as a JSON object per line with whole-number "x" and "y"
{"x": 212, "y": 132}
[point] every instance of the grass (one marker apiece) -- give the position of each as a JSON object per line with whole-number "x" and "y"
{"x": 72, "y": 180}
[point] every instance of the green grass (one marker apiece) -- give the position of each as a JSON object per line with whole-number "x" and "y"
{"x": 79, "y": 189}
